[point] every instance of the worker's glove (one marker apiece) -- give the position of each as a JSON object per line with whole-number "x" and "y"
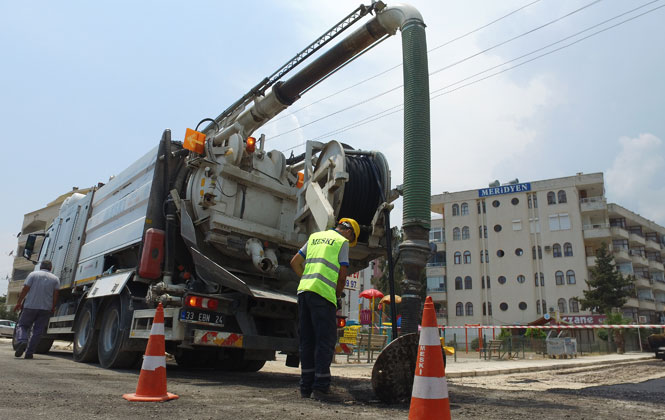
{"x": 339, "y": 303}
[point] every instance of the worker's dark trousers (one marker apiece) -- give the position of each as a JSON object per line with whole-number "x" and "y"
{"x": 37, "y": 319}
{"x": 318, "y": 335}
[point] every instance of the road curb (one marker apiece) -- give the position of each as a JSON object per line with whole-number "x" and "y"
{"x": 510, "y": 371}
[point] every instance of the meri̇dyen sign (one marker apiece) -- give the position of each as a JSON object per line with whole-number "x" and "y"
{"x": 504, "y": 189}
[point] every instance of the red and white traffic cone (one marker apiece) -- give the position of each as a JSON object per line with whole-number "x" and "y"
{"x": 152, "y": 379}
{"x": 429, "y": 397}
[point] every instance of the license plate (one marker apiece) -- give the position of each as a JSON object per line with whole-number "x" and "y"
{"x": 201, "y": 317}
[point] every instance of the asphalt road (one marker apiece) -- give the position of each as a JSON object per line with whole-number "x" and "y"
{"x": 54, "y": 387}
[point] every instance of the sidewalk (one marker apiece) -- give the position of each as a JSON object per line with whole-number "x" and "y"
{"x": 468, "y": 366}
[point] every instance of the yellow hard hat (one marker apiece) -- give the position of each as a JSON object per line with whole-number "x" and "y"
{"x": 354, "y": 225}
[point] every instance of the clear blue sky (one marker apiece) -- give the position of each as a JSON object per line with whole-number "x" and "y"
{"x": 88, "y": 87}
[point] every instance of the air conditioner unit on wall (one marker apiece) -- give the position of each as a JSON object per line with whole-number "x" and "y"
{"x": 548, "y": 248}
{"x": 642, "y": 319}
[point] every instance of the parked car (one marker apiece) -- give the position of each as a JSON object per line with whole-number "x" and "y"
{"x": 7, "y": 328}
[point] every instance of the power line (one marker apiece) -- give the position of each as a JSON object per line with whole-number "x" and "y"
{"x": 443, "y": 68}
{"x": 400, "y": 64}
{"x": 398, "y": 108}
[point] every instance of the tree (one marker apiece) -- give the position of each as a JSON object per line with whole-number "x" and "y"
{"x": 6, "y": 313}
{"x": 608, "y": 288}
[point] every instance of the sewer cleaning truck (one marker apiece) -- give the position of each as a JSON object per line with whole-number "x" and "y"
{"x": 207, "y": 226}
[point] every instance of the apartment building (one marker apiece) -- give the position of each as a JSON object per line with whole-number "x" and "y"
{"x": 35, "y": 222}
{"x": 511, "y": 253}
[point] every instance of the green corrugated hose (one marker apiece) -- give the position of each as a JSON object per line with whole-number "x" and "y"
{"x": 417, "y": 173}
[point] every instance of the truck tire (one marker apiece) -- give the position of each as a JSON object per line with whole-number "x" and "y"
{"x": 112, "y": 337}
{"x": 85, "y": 335}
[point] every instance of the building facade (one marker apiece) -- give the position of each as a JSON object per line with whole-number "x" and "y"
{"x": 509, "y": 254}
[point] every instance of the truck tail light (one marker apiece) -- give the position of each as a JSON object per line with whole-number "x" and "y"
{"x": 341, "y": 322}
{"x": 201, "y": 302}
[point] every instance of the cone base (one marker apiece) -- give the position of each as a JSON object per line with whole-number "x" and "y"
{"x": 144, "y": 398}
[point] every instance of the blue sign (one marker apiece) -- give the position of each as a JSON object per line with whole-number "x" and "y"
{"x": 504, "y": 189}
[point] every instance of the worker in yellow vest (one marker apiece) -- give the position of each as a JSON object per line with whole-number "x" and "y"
{"x": 322, "y": 265}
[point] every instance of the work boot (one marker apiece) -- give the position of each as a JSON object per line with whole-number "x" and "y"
{"x": 332, "y": 395}
{"x": 305, "y": 393}
{"x": 20, "y": 349}
{"x": 28, "y": 356}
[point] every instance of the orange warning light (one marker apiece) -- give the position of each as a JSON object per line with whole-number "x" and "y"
{"x": 301, "y": 180}
{"x": 251, "y": 145}
{"x": 194, "y": 141}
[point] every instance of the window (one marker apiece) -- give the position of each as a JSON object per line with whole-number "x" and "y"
{"x": 542, "y": 279}
{"x": 561, "y": 303}
{"x": 488, "y": 284}
{"x": 487, "y": 309}
{"x": 456, "y": 234}
{"x": 521, "y": 279}
{"x": 561, "y": 195}
{"x": 570, "y": 276}
{"x": 496, "y": 203}
{"x": 482, "y": 258}
{"x": 459, "y": 309}
{"x": 487, "y": 256}
{"x": 559, "y": 222}
{"x": 556, "y": 251}
{"x": 519, "y": 252}
{"x": 567, "y": 249}
{"x": 465, "y": 232}
{"x": 573, "y": 305}
{"x": 458, "y": 283}
{"x": 503, "y": 306}
{"x": 551, "y": 198}
{"x": 502, "y": 280}
{"x": 558, "y": 276}
{"x": 481, "y": 207}
{"x": 544, "y": 306}
{"x": 467, "y": 257}
{"x": 532, "y": 201}
{"x": 500, "y": 253}
{"x": 534, "y": 225}
{"x": 436, "y": 284}
{"x": 537, "y": 306}
{"x": 464, "y": 208}
{"x": 436, "y": 235}
{"x": 522, "y": 306}
{"x": 533, "y": 252}
{"x": 455, "y": 210}
{"x": 497, "y": 228}
{"x": 482, "y": 282}
{"x": 457, "y": 258}
{"x": 515, "y": 201}
{"x": 437, "y": 259}
{"x": 517, "y": 224}
{"x": 469, "y": 309}
{"x": 482, "y": 231}
{"x": 468, "y": 283}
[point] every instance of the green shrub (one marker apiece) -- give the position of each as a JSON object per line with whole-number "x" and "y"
{"x": 475, "y": 344}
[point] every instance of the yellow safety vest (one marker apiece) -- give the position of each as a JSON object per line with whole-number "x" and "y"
{"x": 322, "y": 264}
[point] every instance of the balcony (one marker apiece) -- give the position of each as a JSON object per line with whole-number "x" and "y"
{"x": 658, "y": 285}
{"x": 593, "y": 204}
{"x": 438, "y": 294}
{"x": 621, "y": 255}
{"x": 632, "y": 303}
{"x": 649, "y": 305}
{"x": 637, "y": 239}
{"x": 619, "y": 232}
{"x": 591, "y": 261}
{"x": 596, "y": 231}
{"x": 642, "y": 282}
{"x": 638, "y": 259}
{"x": 652, "y": 245}
{"x": 435, "y": 270}
{"x": 656, "y": 265}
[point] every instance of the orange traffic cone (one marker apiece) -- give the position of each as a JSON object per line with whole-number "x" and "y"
{"x": 152, "y": 380}
{"x": 429, "y": 397}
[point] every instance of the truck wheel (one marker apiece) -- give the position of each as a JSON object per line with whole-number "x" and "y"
{"x": 112, "y": 337}
{"x": 85, "y": 335}
{"x": 44, "y": 345}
